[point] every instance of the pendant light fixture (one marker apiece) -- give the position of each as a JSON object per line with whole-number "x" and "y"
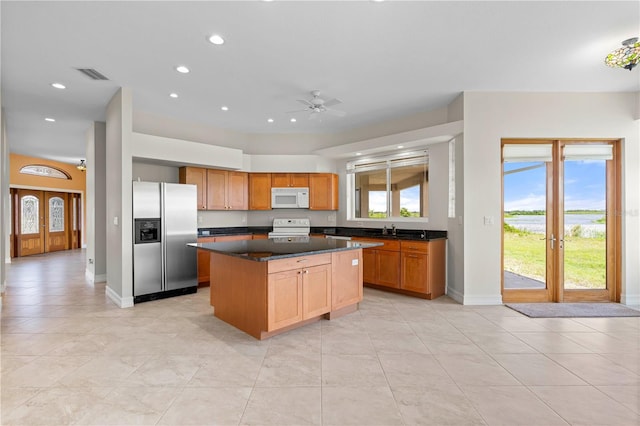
{"x": 82, "y": 166}
{"x": 627, "y": 56}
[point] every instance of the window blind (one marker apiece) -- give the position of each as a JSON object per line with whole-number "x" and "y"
{"x": 524, "y": 153}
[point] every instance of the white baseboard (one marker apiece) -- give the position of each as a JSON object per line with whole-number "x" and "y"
{"x": 95, "y": 278}
{"x": 126, "y": 302}
{"x": 482, "y": 300}
{"x": 630, "y": 299}
{"x": 455, "y": 295}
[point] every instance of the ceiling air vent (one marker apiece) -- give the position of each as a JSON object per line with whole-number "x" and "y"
{"x": 92, "y": 74}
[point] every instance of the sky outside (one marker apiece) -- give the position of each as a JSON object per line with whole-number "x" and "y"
{"x": 409, "y": 198}
{"x": 584, "y": 186}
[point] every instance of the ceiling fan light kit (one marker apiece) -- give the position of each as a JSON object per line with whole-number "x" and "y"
{"x": 627, "y": 56}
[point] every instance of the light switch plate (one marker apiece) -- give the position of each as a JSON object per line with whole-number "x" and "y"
{"x": 354, "y": 262}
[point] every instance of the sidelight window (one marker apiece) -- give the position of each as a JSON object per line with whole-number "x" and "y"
{"x": 393, "y": 186}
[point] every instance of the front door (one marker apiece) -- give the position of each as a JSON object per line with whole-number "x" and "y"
{"x": 30, "y": 223}
{"x": 44, "y": 221}
{"x": 56, "y": 227}
{"x": 561, "y": 234}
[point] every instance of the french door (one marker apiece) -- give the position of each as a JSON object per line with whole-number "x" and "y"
{"x": 561, "y": 224}
{"x": 44, "y": 221}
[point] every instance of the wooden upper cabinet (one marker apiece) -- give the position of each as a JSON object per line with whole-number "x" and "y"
{"x": 237, "y": 190}
{"x": 295, "y": 180}
{"x": 196, "y": 176}
{"x": 259, "y": 191}
{"x": 216, "y": 189}
{"x": 323, "y": 191}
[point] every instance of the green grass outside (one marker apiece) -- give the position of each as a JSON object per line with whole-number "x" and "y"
{"x": 585, "y": 258}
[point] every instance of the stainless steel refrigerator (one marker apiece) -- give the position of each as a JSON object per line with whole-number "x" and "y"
{"x": 165, "y": 220}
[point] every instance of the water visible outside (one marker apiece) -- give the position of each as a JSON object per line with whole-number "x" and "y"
{"x": 589, "y": 228}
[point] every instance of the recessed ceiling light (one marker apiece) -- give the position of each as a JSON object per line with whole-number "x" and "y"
{"x": 59, "y": 85}
{"x": 400, "y": 146}
{"x": 270, "y": 120}
{"x": 216, "y": 39}
{"x": 173, "y": 95}
{"x": 182, "y": 69}
{"x": 50, "y": 119}
{"x": 358, "y": 153}
{"x": 224, "y": 108}
{"x": 293, "y": 120}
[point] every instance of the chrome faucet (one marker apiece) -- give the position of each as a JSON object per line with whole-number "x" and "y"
{"x": 384, "y": 231}
{"x": 393, "y": 229}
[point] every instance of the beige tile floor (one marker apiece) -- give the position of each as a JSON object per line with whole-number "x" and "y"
{"x": 69, "y": 356}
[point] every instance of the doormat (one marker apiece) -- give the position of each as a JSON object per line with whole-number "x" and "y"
{"x": 573, "y": 310}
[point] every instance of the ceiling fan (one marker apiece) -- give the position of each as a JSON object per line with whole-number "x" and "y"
{"x": 317, "y": 106}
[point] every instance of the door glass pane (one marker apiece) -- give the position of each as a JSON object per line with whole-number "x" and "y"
{"x": 29, "y": 211}
{"x": 371, "y": 188}
{"x": 525, "y": 225}
{"x": 56, "y": 214}
{"x": 585, "y": 229}
{"x": 409, "y": 191}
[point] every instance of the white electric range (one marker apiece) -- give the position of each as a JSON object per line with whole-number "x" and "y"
{"x": 290, "y": 230}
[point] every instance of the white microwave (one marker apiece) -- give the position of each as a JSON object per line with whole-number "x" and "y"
{"x": 289, "y": 198}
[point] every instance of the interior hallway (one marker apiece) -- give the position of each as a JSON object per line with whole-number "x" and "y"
{"x": 70, "y": 356}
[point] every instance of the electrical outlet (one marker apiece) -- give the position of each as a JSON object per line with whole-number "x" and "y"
{"x": 488, "y": 220}
{"x": 90, "y": 261}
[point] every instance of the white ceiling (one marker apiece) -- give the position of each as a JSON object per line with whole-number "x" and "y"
{"x": 382, "y": 59}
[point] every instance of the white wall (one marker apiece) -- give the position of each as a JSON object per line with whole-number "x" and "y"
{"x": 455, "y": 229}
{"x": 96, "y": 226}
{"x": 488, "y": 117}
{"x": 118, "y": 207}
{"x": 155, "y": 172}
{"x": 290, "y": 163}
{"x": 186, "y": 152}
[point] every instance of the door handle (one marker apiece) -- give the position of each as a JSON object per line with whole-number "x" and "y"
{"x": 552, "y": 240}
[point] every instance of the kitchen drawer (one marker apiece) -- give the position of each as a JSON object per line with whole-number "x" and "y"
{"x": 298, "y": 262}
{"x": 389, "y": 245}
{"x": 206, "y": 239}
{"x": 415, "y": 246}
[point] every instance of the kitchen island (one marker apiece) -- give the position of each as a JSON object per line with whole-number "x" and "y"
{"x": 269, "y": 286}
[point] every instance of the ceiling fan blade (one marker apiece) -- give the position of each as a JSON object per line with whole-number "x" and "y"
{"x": 332, "y": 102}
{"x": 335, "y": 112}
{"x": 305, "y": 102}
{"x": 316, "y": 116}
{"x": 298, "y": 110}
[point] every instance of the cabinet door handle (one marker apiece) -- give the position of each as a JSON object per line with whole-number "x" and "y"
{"x": 305, "y": 271}
{"x": 302, "y": 260}
{"x": 412, "y": 256}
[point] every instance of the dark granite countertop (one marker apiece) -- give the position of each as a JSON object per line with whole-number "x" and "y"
{"x": 401, "y": 234}
{"x": 280, "y": 248}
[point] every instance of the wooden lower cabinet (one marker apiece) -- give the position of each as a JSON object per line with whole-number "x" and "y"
{"x": 414, "y": 272}
{"x": 382, "y": 263}
{"x": 298, "y": 294}
{"x": 284, "y": 293}
{"x": 265, "y": 298}
{"x": 203, "y": 262}
{"x": 388, "y": 268}
{"x": 412, "y": 267}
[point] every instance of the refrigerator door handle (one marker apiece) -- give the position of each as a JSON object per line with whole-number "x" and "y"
{"x": 163, "y": 238}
